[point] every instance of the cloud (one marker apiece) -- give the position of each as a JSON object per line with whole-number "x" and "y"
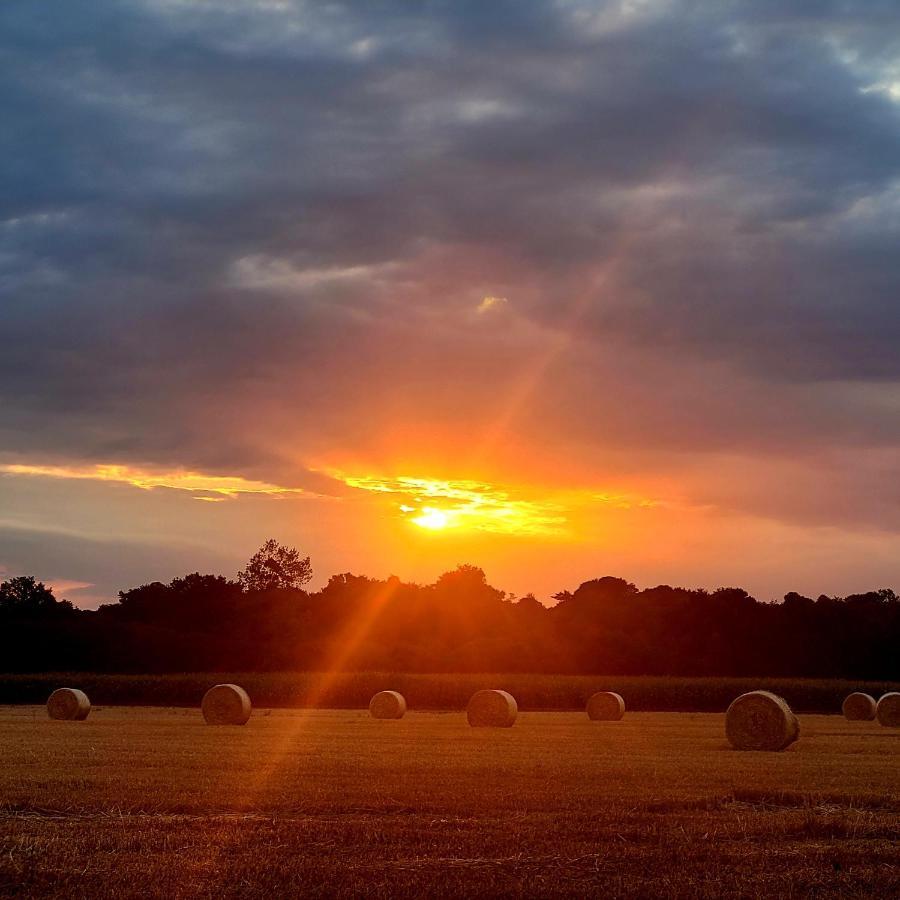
{"x": 467, "y": 504}
{"x": 194, "y": 482}
{"x": 235, "y": 239}
{"x": 90, "y": 571}
{"x": 490, "y": 303}
{"x": 497, "y": 508}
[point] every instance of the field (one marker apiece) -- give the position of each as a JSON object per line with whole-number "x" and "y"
{"x": 352, "y": 690}
{"x": 150, "y": 801}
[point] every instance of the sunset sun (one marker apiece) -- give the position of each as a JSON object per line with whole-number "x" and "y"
{"x": 432, "y": 519}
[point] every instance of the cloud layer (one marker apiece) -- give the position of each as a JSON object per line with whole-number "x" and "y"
{"x": 612, "y": 244}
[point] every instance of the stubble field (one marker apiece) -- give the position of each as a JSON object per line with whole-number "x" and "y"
{"x": 152, "y": 802}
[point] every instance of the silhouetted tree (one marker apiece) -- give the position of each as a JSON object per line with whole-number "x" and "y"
{"x": 460, "y": 623}
{"x": 26, "y": 597}
{"x": 275, "y": 566}
{"x": 530, "y": 605}
{"x": 194, "y": 601}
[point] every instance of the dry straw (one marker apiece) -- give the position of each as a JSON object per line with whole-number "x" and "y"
{"x": 387, "y": 705}
{"x": 69, "y": 704}
{"x": 760, "y": 721}
{"x": 888, "y": 710}
{"x": 226, "y": 704}
{"x": 859, "y": 707}
{"x": 605, "y": 706}
{"x": 492, "y": 709}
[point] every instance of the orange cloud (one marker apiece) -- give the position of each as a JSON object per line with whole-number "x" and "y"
{"x": 489, "y": 303}
{"x": 462, "y": 504}
{"x": 221, "y": 486}
{"x": 437, "y": 504}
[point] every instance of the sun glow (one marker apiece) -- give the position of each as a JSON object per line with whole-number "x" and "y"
{"x": 432, "y": 518}
{"x": 465, "y": 505}
{"x": 456, "y": 506}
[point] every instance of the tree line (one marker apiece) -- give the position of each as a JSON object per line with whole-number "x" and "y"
{"x": 265, "y": 620}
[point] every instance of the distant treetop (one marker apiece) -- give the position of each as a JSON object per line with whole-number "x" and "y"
{"x": 25, "y": 596}
{"x": 275, "y": 566}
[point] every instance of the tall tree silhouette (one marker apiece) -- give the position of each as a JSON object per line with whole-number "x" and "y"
{"x": 275, "y": 566}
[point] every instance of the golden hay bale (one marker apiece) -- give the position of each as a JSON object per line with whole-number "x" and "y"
{"x": 605, "y": 706}
{"x": 226, "y": 704}
{"x": 859, "y": 707}
{"x": 68, "y": 703}
{"x": 888, "y": 710}
{"x": 760, "y": 720}
{"x": 492, "y": 709}
{"x": 387, "y": 705}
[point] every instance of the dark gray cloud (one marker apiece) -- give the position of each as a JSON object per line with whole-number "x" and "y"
{"x": 232, "y": 235}
{"x": 100, "y": 568}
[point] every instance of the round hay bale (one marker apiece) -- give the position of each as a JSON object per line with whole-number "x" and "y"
{"x": 760, "y": 720}
{"x": 69, "y": 704}
{"x": 888, "y": 710}
{"x": 226, "y": 704}
{"x": 492, "y": 709}
{"x": 605, "y": 706}
{"x": 859, "y": 707}
{"x": 387, "y": 705}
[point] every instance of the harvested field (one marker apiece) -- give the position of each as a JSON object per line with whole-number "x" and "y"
{"x": 331, "y": 803}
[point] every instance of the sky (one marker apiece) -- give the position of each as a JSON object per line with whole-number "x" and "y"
{"x": 559, "y": 289}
